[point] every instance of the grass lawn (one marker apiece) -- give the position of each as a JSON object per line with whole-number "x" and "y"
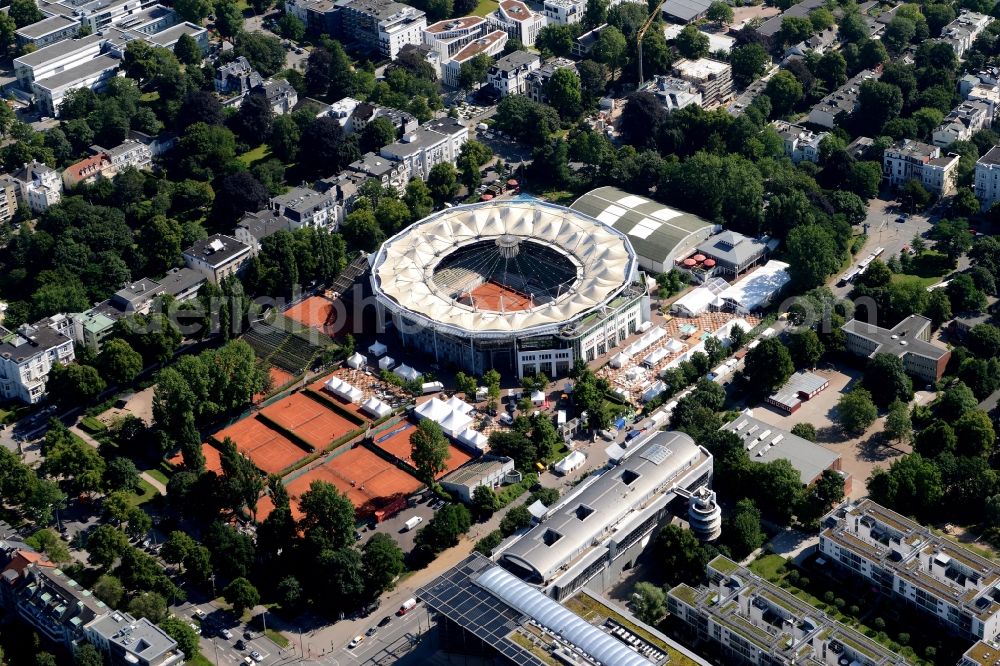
{"x": 255, "y": 155}
{"x": 485, "y": 7}
{"x": 149, "y": 96}
{"x": 199, "y": 660}
{"x": 559, "y": 197}
{"x": 926, "y": 268}
{"x": 148, "y": 493}
{"x": 277, "y": 638}
{"x": 158, "y": 475}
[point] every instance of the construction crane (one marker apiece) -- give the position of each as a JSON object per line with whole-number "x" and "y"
{"x": 642, "y": 33}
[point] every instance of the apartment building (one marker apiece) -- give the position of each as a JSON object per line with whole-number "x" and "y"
{"x": 434, "y": 142}
{"x": 28, "y": 354}
{"x": 279, "y": 95}
{"x": 509, "y": 74}
{"x": 801, "y": 145}
{"x": 305, "y": 207}
{"x": 751, "y": 621}
{"x": 217, "y": 257}
{"x": 963, "y": 31}
{"x": 133, "y": 642}
{"x": 674, "y": 93}
{"x": 981, "y": 654}
{"x": 842, "y": 100}
{"x": 107, "y": 163}
{"x": 564, "y": 12}
{"x": 319, "y": 16}
{"x": 382, "y": 25}
{"x": 910, "y": 564}
{"x": 909, "y": 340}
{"x": 518, "y": 20}
{"x": 39, "y": 186}
{"x": 236, "y": 77}
{"x": 450, "y": 36}
{"x": 253, "y": 228}
{"x": 988, "y": 178}
{"x": 490, "y": 44}
{"x": 537, "y": 80}
{"x": 386, "y": 170}
{"x": 9, "y": 197}
{"x": 713, "y": 79}
{"x": 964, "y": 120}
{"x": 912, "y": 160}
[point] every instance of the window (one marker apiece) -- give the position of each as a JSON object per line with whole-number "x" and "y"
{"x": 583, "y": 511}
{"x": 550, "y": 537}
{"x": 629, "y": 477}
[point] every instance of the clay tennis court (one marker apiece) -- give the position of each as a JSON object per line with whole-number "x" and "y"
{"x": 396, "y": 442}
{"x": 279, "y": 378}
{"x": 494, "y": 296}
{"x": 269, "y": 450}
{"x": 315, "y": 312}
{"x": 368, "y": 481}
{"x": 213, "y": 459}
{"x": 308, "y": 419}
{"x": 319, "y": 391}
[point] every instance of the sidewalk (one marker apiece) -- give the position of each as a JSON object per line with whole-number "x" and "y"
{"x": 151, "y": 480}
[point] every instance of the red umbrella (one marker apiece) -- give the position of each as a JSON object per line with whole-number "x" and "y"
{"x": 486, "y": 197}
{"x": 699, "y": 258}
{"x": 689, "y": 262}
{"x": 512, "y": 182}
{"x": 709, "y": 263}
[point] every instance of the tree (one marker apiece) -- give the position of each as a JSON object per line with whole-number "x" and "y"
{"x": 746, "y": 535}
{"x": 473, "y": 72}
{"x": 563, "y": 92}
{"x": 795, "y": 29}
{"x": 555, "y": 39}
{"x": 805, "y": 348}
{"x": 187, "y": 50}
{"x": 485, "y": 501}
{"x": 118, "y": 362}
{"x": 855, "y": 410}
{"x": 596, "y": 13}
{"x": 383, "y": 563}
{"x": 105, "y": 545}
{"x": 149, "y": 605}
{"x": 181, "y": 631}
{"x": 879, "y": 103}
{"x": 24, "y": 12}
{"x": 242, "y": 595}
{"x": 517, "y": 518}
{"x": 121, "y": 474}
{"x": 679, "y": 555}
{"x": 327, "y": 149}
{"x": 443, "y": 182}
{"x": 899, "y": 33}
{"x": 784, "y": 91}
{"x": 328, "y": 519}
{"x": 194, "y": 11}
{"x": 238, "y": 193}
{"x": 649, "y": 601}
{"x": 749, "y": 62}
{"x": 898, "y": 426}
{"x": 228, "y": 19}
{"x": 291, "y": 27}
{"x": 768, "y": 366}
{"x": 109, "y": 590}
{"x": 379, "y": 132}
{"x": 48, "y": 542}
{"x": 964, "y": 296}
{"x": 720, "y": 12}
{"x": 429, "y": 450}
{"x": 912, "y": 484}
{"x": 805, "y": 431}
{"x": 610, "y": 47}
{"x": 254, "y": 120}
{"x": 974, "y": 433}
{"x": 87, "y": 655}
{"x": 74, "y": 384}
{"x": 813, "y": 255}
{"x": 886, "y": 380}
{"x": 691, "y": 43}
{"x": 832, "y": 68}
{"x": 957, "y": 400}
{"x": 992, "y": 511}
{"x": 593, "y": 77}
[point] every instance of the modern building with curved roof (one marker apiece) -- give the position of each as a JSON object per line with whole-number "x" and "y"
{"x": 660, "y": 234}
{"x": 601, "y": 527}
{"x": 515, "y": 285}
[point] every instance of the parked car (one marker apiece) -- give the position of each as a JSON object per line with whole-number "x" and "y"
{"x": 240, "y": 645}
{"x": 200, "y": 614}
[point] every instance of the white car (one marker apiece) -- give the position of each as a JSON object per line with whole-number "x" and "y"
{"x": 257, "y": 656}
{"x": 201, "y": 615}
{"x": 226, "y": 634}
{"x": 356, "y": 641}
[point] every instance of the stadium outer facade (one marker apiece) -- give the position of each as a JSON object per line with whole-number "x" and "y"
{"x": 578, "y": 280}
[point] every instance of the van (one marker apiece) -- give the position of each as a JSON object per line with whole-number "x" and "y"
{"x": 411, "y": 523}
{"x": 407, "y": 606}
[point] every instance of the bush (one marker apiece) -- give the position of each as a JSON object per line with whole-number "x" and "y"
{"x": 903, "y": 638}
{"x": 854, "y": 610}
{"x": 91, "y": 425}
{"x": 828, "y": 596}
{"x": 839, "y": 603}
{"x": 804, "y": 581}
{"x": 794, "y": 576}
{"x": 879, "y": 623}
{"x": 488, "y": 543}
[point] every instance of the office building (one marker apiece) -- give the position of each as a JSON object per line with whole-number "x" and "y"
{"x": 47, "y": 31}
{"x": 564, "y": 12}
{"x": 912, "y": 160}
{"x": 382, "y": 26}
{"x": 450, "y": 36}
{"x": 843, "y": 100}
{"x": 598, "y": 530}
{"x": 133, "y": 642}
{"x": 912, "y": 565}
{"x": 988, "y": 178}
{"x": 509, "y": 74}
{"x": 518, "y": 20}
{"x": 909, "y": 340}
{"x": 750, "y": 621}
{"x": 435, "y": 141}
{"x": 217, "y": 257}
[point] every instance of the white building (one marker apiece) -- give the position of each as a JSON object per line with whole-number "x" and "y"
{"x": 383, "y": 25}
{"x": 713, "y": 79}
{"x": 279, "y": 94}
{"x": 564, "y": 12}
{"x": 988, "y": 178}
{"x": 536, "y": 81}
{"x": 964, "y": 120}
{"x": 518, "y": 21}
{"x": 434, "y": 142}
{"x": 963, "y": 31}
{"x": 908, "y": 159}
{"x": 486, "y": 471}
{"x": 108, "y": 163}
{"x": 450, "y": 36}
{"x": 28, "y": 354}
{"x": 306, "y": 207}
{"x": 491, "y": 44}
{"x": 914, "y": 566}
{"x": 40, "y": 186}
{"x": 800, "y": 143}
{"x": 509, "y": 74}
{"x": 842, "y": 100}
{"x": 674, "y": 93}
{"x": 217, "y": 257}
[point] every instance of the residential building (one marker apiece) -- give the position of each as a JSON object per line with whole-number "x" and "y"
{"x": 386, "y": 170}
{"x": 989, "y": 95}
{"x": 450, "y": 36}
{"x": 518, "y": 20}
{"x": 684, "y": 11}
{"x": 716, "y": 40}
{"x": 799, "y": 388}
{"x": 384, "y": 26}
{"x": 158, "y": 145}
{"x": 305, "y": 207}
{"x": 366, "y": 112}
{"x": 909, "y": 340}
{"x": 674, "y": 93}
{"x": 182, "y": 284}
{"x": 564, "y": 12}
{"x": 26, "y": 357}
{"x": 913, "y": 566}
{"x": 280, "y": 95}
{"x": 133, "y": 642}
{"x": 843, "y": 100}
{"x": 800, "y": 144}
{"x": 819, "y": 43}
{"x": 537, "y": 80}
{"x": 40, "y": 186}
{"x": 253, "y": 228}
{"x": 733, "y": 253}
{"x": 764, "y": 443}
{"x": 47, "y": 31}
{"x": 434, "y": 142}
{"x": 772, "y": 26}
{"x": 486, "y": 471}
{"x": 911, "y": 160}
{"x": 236, "y": 77}
{"x": 319, "y": 16}
{"x": 963, "y": 31}
{"x": 584, "y": 44}
{"x": 344, "y": 189}
{"x": 108, "y": 163}
{"x": 981, "y": 654}
{"x": 964, "y": 120}
{"x": 491, "y": 44}
{"x": 9, "y": 195}
{"x": 859, "y": 148}
{"x": 217, "y": 257}
{"x": 509, "y": 74}
{"x": 129, "y": 153}
{"x": 751, "y": 621}
{"x": 988, "y": 178}
{"x": 713, "y": 79}
{"x": 599, "y": 529}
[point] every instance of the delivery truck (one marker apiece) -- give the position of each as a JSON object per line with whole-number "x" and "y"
{"x": 407, "y": 606}
{"x": 413, "y": 522}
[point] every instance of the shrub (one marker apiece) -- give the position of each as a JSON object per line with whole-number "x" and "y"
{"x": 828, "y": 597}
{"x": 879, "y": 623}
{"x": 804, "y": 581}
{"x": 854, "y": 610}
{"x": 903, "y": 638}
{"x": 794, "y": 576}
{"x": 488, "y": 543}
{"x": 839, "y": 603}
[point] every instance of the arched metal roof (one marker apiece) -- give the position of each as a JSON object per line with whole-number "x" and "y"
{"x": 559, "y": 620}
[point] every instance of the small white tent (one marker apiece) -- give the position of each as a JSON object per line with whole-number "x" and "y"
{"x": 386, "y": 362}
{"x": 538, "y": 397}
{"x": 434, "y": 409}
{"x": 377, "y": 349}
{"x": 376, "y": 407}
{"x": 473, "y": 438}
{"x": 456, "y": 403}
{"x": 406, "y": 373}
{"x": 570, "y": 462}
{"x": 356, "y": 360}
{"x": 454, "y": 423}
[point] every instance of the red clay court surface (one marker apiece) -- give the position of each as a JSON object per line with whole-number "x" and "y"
{"x": 496, "y": 297}
{"x": 315, "y": 312}
{"x": 319, "y": 390}
{"x": 396, "y": 442}
{"x": 308, "y": 419}
{"x": 279, "y": 378}
{"x": 269, "y": 450}
{"x": 213, "y": 459}
{"x": 368, "y": 481}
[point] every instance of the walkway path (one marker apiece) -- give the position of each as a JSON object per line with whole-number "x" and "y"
{"x": 146, "y": 476}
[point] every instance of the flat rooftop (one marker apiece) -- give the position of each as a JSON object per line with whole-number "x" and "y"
{"x": 91, "y": 67}
{"x": 765, "y": 443}
{"x": 58, "y": 50}
{"x": 46, "y": 26}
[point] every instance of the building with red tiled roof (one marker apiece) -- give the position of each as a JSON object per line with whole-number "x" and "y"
{"x": 491, "y": 44}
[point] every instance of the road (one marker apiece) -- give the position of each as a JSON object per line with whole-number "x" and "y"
{"x": 293, "y": 60}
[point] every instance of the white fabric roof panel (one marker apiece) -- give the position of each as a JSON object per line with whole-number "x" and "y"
{"x": 559, "y": 620}
{"x": 375, "y": 406}
{"x": 403, "y": 268}
{"x": 356, "y": 360}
